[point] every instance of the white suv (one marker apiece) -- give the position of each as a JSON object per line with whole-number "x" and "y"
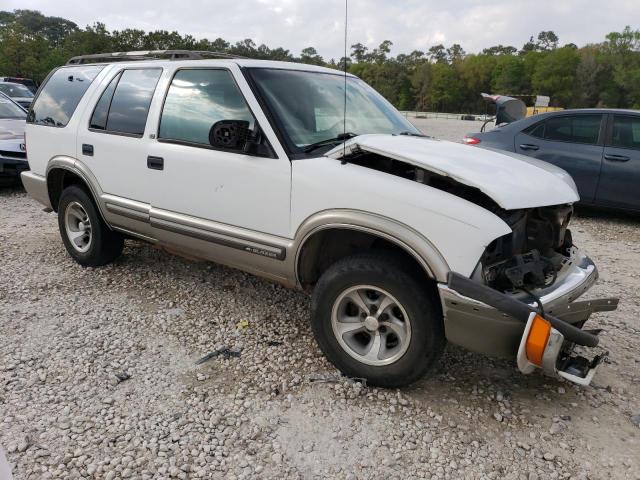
{"x": 405, "y": 241}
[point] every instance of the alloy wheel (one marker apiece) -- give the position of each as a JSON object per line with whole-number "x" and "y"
{"x": 78, "y": 227}
{"x": 371, "y": 325}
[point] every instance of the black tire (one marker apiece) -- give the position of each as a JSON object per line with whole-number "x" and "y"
{"x": 416, "y": 295}
{"x": 105, "y": 244}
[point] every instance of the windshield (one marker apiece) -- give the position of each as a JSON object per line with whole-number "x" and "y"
{"x": 309, "y": 106}
{"x": 8, "y": 109}
{"x": 15, "y": 90}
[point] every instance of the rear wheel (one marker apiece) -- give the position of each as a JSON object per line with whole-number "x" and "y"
{"x": 86, "y": 237}
{"x": 375, "y": 319}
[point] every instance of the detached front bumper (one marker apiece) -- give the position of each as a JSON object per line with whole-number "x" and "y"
{"x": 475, "y": 325}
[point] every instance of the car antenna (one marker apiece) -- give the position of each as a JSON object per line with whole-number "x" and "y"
{"x": 344, "y": 120}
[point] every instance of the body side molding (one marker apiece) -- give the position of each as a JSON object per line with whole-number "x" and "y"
{"x": 280, "y": 255}
{"x": 238, "y": 238}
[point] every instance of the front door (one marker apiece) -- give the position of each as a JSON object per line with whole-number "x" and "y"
{"x": 620, "y": 177}
{"x": 572, "y": 142}
{"x": 222, "y": 202}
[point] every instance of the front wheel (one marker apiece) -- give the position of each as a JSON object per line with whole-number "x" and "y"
{"x": 375, "y": 319}
{"x": 86, "y": 237}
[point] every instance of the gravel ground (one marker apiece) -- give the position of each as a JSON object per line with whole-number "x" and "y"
{"x": 99, "y": 376}
{"x": 446, "y": 128}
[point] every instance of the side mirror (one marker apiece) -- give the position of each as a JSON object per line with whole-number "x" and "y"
{"x": 236, "y": 135}
{"x": 230, "y": 134}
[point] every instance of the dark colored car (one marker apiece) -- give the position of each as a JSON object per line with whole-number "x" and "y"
{"x": 600, "y": 148}
{"x": 27, "y": 82}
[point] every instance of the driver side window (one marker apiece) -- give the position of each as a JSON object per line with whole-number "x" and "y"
{"x": 198, "y": 98}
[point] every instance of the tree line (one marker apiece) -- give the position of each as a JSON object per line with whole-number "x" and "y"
{"x": 441, "y": 78}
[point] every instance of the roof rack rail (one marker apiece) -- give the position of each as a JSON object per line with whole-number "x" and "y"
{"x": 149, "y": 55}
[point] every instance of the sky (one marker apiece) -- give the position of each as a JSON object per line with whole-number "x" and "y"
{"x": 409, "y": 24}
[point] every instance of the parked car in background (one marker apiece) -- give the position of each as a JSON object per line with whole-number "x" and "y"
{"x": 13, "y": 155}
{"x": 599, "y": 148}
{"x": 27, "y": 82}
{"x": 18, "y": 93}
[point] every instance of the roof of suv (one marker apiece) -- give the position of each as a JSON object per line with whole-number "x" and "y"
{"x": 241, "y": 62}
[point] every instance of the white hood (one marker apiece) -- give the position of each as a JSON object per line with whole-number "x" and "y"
{"x": 512, "y": 181}
{"x": 12, "y": 128}
{"x": 12, "y": 135}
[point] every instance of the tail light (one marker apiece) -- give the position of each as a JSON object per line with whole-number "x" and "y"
{"x": 471, "y": 140}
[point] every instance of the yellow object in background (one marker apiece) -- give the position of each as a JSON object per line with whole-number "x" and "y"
{"x": 536, "y": 110}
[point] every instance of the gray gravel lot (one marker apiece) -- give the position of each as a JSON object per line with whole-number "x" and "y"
{"x": 445, "y": 128}
{"x": 99, "y": 377}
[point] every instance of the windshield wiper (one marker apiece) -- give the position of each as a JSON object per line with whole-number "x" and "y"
{"x": 329, "y": 141}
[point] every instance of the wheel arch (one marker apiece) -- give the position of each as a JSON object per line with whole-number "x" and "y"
{"x": 330, "y": 235}
{"x": 65, "y": 171}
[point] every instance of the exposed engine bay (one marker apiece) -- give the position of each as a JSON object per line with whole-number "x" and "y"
{"x": 527, "y": 258}
{"x": 532, "y": 254}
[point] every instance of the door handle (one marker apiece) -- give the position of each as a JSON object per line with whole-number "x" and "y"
{"x": 616, "y": 158}
{"x": 155, "y": 163}
{"x": 87, "y": 149}
{"x": 528, "y": 146}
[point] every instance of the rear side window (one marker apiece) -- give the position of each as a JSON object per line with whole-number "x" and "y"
{"x": 574, "y": 129}
{"x": 61, "y": 94}
{"x": 536, "y": 130}
{"x": 198, "y": 98}
{"x": 626, "y": 132}
{"x": 124, "y": 105}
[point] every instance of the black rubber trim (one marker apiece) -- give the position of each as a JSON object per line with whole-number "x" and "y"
{"x": 128, "y": 212}
{"x": 515, "y": 308}
{"x": 263, "y": 250}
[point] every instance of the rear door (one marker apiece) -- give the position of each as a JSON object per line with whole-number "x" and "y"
{"x": 111, "y": 140}
{"x": 620, "y": 177}
{"x": 573, "y": 143}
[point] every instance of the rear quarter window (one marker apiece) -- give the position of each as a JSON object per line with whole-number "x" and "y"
{"x": 626, "y": 132}
{"x": 574, "y": 129}
{"x": 60, "y": 95}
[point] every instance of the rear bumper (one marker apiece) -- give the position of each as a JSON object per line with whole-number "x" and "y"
{"x": 12, "y": 167}
{"x": 479, "y": 327}
{"x": 36, "y": 187}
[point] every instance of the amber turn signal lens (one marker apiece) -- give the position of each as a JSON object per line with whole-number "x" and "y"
{"x": 537, "y": 339}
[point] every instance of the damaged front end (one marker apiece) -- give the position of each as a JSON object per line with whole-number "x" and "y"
{"x": 521, "y": 299}
{"x": 541, "y": 340}
{"x": 532, "y": 254}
